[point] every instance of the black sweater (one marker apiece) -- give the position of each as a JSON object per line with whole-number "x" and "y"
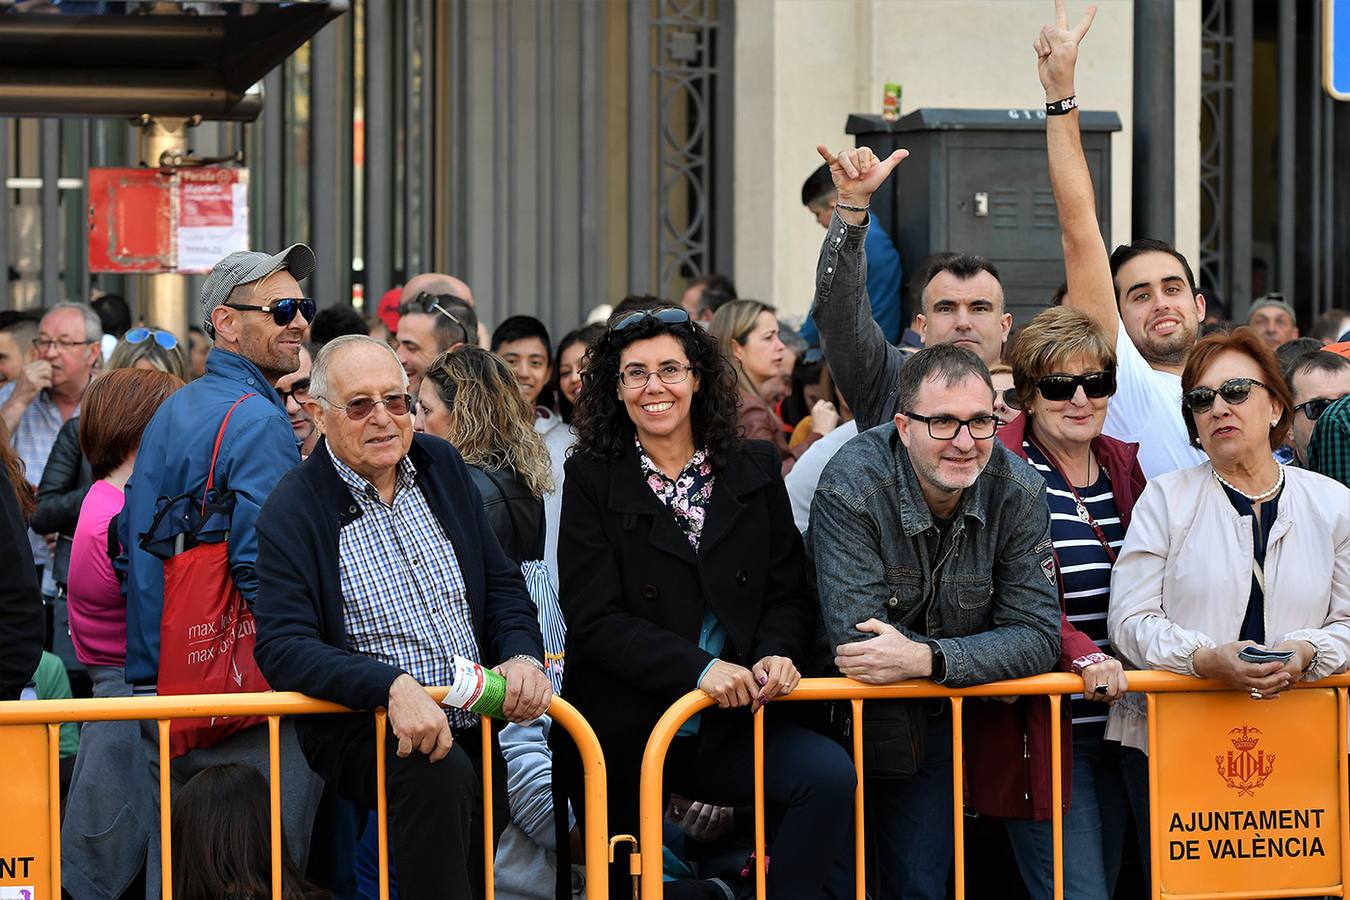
{"x": 21, "y": 618}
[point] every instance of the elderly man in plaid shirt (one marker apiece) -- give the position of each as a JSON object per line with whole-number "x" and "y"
{"x": 376, "y": 566}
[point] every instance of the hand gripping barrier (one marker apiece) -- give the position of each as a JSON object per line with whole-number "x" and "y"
{"x": 45, "y": 874}
{"x": 1191, "y": 739}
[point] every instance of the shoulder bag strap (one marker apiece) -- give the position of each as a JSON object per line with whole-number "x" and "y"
{"x": 215, "y": 450}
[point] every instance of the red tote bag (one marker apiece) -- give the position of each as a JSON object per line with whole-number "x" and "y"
{"x": 206, "y": 632}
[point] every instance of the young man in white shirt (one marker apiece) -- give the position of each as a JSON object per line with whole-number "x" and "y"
{"x": 1144, "y": 296}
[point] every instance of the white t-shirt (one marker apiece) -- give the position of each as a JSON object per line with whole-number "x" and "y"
{"x": 805, "y": 475}
{"x": 1147, "y": 410}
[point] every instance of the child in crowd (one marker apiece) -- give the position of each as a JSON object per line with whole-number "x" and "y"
{"x": 222, "y": 840}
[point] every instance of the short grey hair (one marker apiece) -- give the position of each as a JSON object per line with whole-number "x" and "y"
{"x": 93, "y": 325}
{"x": 318, "y": 373}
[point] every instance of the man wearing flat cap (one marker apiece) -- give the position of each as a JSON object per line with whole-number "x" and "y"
{"x": 254, "y": 311}
{"x": 1274, "y": 318}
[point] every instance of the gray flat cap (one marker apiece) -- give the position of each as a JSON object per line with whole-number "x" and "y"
{"x": 247, "y": 266}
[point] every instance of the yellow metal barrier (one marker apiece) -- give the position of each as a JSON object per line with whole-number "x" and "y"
{"x": 1319, "y": 775}
{"x": 17, "y": 718}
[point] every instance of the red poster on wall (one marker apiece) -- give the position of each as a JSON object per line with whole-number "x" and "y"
{"x": 142, "y": 220}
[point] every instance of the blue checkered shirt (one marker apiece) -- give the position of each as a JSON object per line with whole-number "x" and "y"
{"x": 33, "y": 440}
{"x": 403, "y": 596}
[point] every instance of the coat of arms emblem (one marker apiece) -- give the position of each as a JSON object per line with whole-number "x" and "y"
{"x": 1245, "y": 768}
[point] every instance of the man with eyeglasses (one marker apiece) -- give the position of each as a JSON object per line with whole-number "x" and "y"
{"x": 934, "y": 560}
{"x": 376, "y": 567}
{"x": 255, "y": 313}
{"x": 47, "y": 394}
{"x": 293, "y": 389}
{"x": 1316, "y": 380}
{"x": 429, "y": 325}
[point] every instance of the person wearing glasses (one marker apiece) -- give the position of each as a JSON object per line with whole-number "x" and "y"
{"x": 1316, "y": 380}
{"x": 1064, "y": 373}
{"x": 45, "y": 397}
{"x": 1329, "y": 449}
{"x": 293, "y": 389}
{"x": 934, "y": 559}
{"x": 429, "y": 325}
{"x": 682, "y": 570}
{"x": 253, "y": 308}
{"x": 377, "y": 566}
{"x": 66, "y": 477}
{"x": 1236, "y": 552}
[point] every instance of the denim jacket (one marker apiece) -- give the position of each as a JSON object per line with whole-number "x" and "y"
{"x": 985, "y": 593}
{"x": 864, "y": 366}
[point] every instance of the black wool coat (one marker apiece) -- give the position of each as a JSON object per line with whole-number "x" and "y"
{"x": 634, "y": 592}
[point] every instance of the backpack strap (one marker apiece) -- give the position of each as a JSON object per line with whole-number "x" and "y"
{"x": 215, "y": 450}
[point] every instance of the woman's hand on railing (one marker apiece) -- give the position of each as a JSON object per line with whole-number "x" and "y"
{"x": 1304, "y": 653}
{"x": 729, "y": 684}
{"x": 776, "y": 676}
{"x": 1105, "y": 681}
{"x": 1263, "y": 680}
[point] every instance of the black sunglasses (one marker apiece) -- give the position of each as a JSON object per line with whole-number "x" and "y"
{"x": 1096, "y": 385}
{"x": 283, "y": 311}
{"x": 435, "y": 303}
{"x": 299, "y": 390}
{"x": 1314, "y": 408}
{"x": 1008, "y": 397}
{"x": 666, "y": 314}
{"x": 1233, "y": 391}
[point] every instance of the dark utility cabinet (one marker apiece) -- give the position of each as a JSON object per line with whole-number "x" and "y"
{"x": 977, "y": 181}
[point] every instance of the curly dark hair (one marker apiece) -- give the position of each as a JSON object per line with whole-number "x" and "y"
{"x": 604, "y": 430}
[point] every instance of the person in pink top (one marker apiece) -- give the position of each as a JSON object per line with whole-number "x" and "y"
{"x": 103, "y": 849}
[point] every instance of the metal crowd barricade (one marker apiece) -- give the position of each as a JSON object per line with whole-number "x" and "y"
{"x": 51, "y": 713}
{"x": 1245, "y": 770}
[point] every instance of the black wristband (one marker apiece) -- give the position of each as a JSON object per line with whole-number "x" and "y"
{"x": 1062, "y": 107}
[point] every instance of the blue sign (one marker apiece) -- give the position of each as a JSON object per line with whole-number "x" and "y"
{"x": 1336, "y": 53}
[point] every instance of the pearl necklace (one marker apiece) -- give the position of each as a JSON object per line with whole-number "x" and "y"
{"x": 1254, "y": 498}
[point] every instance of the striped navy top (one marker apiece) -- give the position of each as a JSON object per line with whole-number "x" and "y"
{"x": 1084, "y": 567}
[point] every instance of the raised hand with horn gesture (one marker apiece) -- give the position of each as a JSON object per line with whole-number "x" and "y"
{"x": 857, "y": 173}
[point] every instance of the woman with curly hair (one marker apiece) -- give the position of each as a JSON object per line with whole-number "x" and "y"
{"x": 681, "y": 569}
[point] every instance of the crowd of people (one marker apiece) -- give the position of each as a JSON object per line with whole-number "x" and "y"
{"x": 674, "y": 496}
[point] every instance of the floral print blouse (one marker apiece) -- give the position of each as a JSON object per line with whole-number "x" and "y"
{"x": 687, "y": 496}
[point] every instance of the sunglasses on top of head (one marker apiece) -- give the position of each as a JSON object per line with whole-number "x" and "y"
{"x": 668, "y": 315}
{"x": 1095, "y": 385}
{"x": 141, "y": 335}
{"x": 1233, "y": 391}
{"x": 283, "y": 311}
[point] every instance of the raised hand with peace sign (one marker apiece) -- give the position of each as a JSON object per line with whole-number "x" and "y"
{"x": 1057, "y": 52}
{"x": 857, "y": 173}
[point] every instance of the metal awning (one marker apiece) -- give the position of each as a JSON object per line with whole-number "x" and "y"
{"x": 173, "y": 64}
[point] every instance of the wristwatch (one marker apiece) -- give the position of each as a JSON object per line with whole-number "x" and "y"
{"x": 529, "y": 659}
{"x": 939, "y": 662}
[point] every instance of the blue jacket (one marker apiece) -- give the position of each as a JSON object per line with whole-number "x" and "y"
{"x": 258, "y": 449}
{"x": 884, "y": 275}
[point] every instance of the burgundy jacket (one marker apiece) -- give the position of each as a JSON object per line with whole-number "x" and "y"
{"x": 997, "y": 733}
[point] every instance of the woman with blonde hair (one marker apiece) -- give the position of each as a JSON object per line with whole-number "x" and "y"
{"x": 149, "y": 348}
{"x": 747, "y": 333}
{"x": 471, "y": 398}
